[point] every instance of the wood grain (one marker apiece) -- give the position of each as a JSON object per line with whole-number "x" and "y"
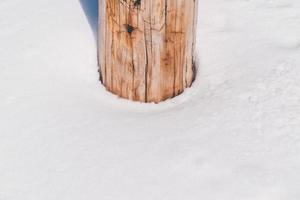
{"x": 146, "y": 47}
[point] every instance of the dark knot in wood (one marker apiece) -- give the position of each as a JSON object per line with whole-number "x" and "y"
{"x": 137, "y": 3}
{"x": 129, "y": 28}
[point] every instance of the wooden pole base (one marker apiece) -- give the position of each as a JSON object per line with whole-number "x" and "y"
{"x": 146, "y": 47}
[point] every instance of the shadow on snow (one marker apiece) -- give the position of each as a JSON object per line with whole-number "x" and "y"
{"x": 90, "y": 8}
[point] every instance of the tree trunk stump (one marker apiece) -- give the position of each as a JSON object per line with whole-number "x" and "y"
{"x": 146, "y": 47}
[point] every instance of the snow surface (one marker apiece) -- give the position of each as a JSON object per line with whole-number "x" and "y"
{"x": 234, "y": 136}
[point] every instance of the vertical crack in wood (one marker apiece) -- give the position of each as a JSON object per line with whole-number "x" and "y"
{"x": 174, "y": 49}
{"x": 194, "y": 69}
{"x": 146, "y": 68}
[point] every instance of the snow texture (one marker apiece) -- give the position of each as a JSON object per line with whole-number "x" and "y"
{"x": 235, "y": 135}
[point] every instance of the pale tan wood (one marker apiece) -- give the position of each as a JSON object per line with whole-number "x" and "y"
{"x": 146, "y": 47}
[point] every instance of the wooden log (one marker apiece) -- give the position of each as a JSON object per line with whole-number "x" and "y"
{"x": 146, "y": 47}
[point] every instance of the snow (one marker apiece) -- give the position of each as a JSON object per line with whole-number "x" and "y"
{"x": 235, "y": 135}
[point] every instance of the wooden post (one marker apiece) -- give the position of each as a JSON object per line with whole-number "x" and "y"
{"x": 146, "y": 47}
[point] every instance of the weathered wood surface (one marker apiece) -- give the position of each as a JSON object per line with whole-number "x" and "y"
{"x": 146, "y": 47}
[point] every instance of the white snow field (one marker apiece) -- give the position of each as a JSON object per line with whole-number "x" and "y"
{"x": 235, "y": 135}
